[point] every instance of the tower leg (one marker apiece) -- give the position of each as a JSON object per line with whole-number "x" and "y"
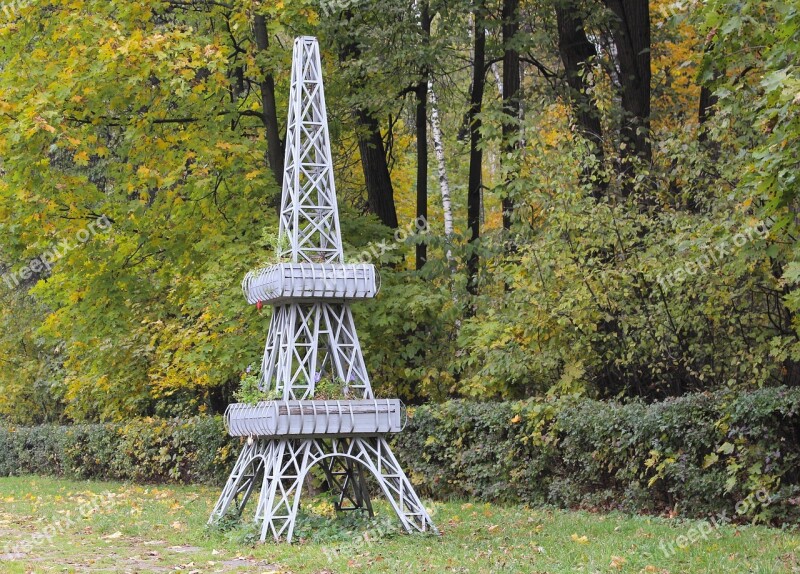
{"x": 284, "y": 463}
{"x": 377, "y": 456}
{"x": 254, "y": 460}
{"x": 290, "y": 465}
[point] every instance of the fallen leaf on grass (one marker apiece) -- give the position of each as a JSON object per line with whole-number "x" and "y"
{"x": 580, "y": 539}
{"x": 117, "y": 534}
{"x": 617, "y": 562}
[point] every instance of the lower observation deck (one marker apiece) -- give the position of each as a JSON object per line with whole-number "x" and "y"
{"x": 314, "y": 418}
{"x": 285, "y": 282}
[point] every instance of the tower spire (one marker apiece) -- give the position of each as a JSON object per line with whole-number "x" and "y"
{"x": 309, "y": 216}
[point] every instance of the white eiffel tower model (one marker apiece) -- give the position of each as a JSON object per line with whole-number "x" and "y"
{"x": 311, "y": 336}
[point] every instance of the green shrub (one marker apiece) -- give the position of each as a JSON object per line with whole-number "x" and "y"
{"x": 700, "y": 454}
{"x": 195, "y": 450}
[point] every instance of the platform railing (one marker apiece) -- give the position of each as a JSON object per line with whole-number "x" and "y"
{"x": 316, "y": 418}
{"x": 291, "y": 281}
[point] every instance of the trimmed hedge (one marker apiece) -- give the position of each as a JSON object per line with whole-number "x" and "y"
{"x": 196, "y": 450}
{"x": 691, "y": 456}
{"x": 695, "y": 455}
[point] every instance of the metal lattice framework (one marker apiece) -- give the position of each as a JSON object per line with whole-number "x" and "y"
{"x": 306, "y": 339}
{"x": 312, "y": 335}
{"x": 309, "y": 215}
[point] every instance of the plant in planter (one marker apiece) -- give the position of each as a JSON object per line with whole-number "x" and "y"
{"x": 272, "y": 240}
{"x": 331, "y": 388}
{"x": 249, "y": 391}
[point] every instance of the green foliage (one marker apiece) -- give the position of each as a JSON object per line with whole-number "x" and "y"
{"x": 250, "y": 391}
{"x": 317, "y": 523}
{"x": 700, "y": 454}
{"x": 138, "y": 124}
{"x": 408, "y": 337}
{"x": 148, "y": 114}
{"x": 278, "y": 244}
{"x": 325, "y": 388}
{"x": 32, "y": 375}
{"x": 149, "y": 450}
{"x": 331, "y": 388}
{"x": 609, "y": 299}
{"x": 752, "y": 66}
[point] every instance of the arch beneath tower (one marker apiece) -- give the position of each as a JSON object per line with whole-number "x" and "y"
{"x": 278, "y": 469}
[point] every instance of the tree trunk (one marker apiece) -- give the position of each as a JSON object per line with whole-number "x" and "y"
{"x": 576, "y": 53}
{"x": 511, "y": 82}
{"x": 707, "y": 97}
{"x": 380, "y": 193}
{"x": 422, "y": 167}
{"x": 269, "y": 110}
{"x": 422, "y": 138}
{"x": 444, "y": 183}
{"x": 707, "y": 102}
{"x": 474, "y": 183}
{"x": 422, "y": 170}
{"x": 631, "y": 33}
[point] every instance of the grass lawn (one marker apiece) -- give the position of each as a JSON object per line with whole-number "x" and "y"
{"x": 49, "y": 525}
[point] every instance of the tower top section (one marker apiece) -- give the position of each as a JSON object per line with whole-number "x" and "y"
{"x": 311, "y": 263}
{"x": 309, "y": 229}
